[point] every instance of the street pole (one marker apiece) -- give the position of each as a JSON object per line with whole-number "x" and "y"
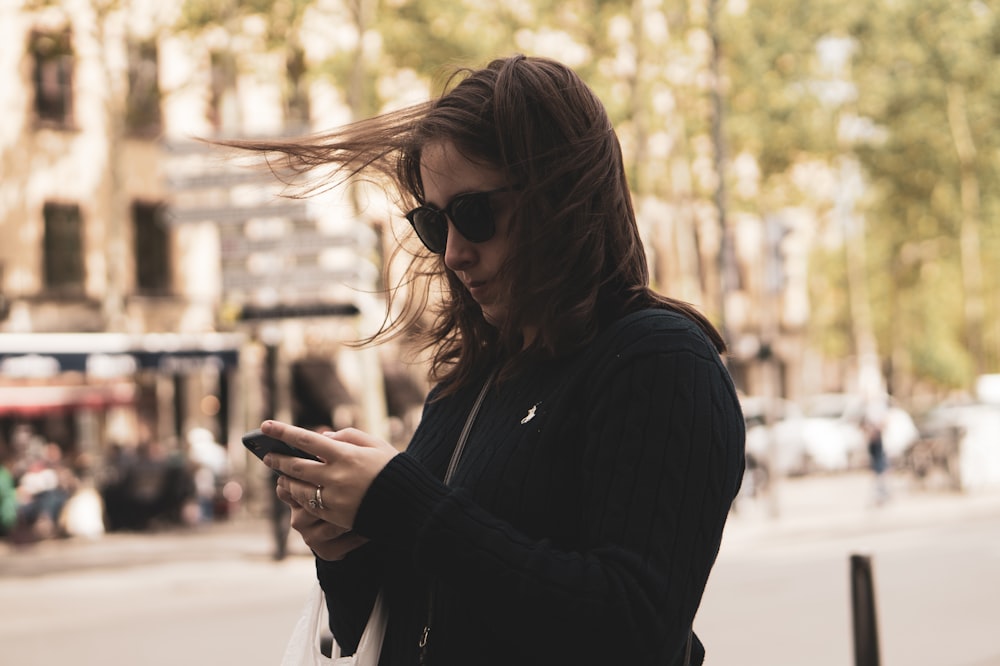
{"x": 866, "y": 650}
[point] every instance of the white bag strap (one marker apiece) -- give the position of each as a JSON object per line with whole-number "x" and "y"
{"x": 303, "y": 647}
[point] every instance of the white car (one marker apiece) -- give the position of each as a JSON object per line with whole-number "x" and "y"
{"x": 823, "y": 434}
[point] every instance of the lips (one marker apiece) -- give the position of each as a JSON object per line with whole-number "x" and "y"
{"x": 477, "y": 289}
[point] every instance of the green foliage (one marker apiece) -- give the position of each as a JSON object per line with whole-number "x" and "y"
{"x": 930, "y": 326}
{"x": 784, "y": 104}
{"x": 283, "y": 17}
{"x": 829, "y": 330}
{"x": 910, "y": 54}
{"x": 430, "y": 37}
{"x": 774, "y": 107}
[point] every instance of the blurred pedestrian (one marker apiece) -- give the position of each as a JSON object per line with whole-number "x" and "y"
{"x": 8, "y": 493}
{"x": 83, "y": 513}
{"x": 281, "y": 523}
{"x": 204, "y": 490}
{"x": 563, "y": 498}
{"x": 42, "y": 492}
{"x": 114, "y": 479}
{"x": 879, "y": 461}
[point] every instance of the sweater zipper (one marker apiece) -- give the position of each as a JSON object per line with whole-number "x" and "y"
{"x": 456, "y": 455}
{"x": 425, "y": 634}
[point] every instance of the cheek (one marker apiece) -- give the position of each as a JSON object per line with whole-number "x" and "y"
{"x": 495, "y": 256}
{"x": 496, "y": 251}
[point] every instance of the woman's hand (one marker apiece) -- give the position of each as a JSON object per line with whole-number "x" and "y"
{"x": 328, "y": 541}
{"x": 349, "y": 461}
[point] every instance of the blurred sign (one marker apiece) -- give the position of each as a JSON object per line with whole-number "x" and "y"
{"x": 225, "y": 214}
{"x": 107, "y": 366}
{"x": 275, "y": 253}
{"x": 108, "y": 355}
{"x": 30, "y": 366}
{"x": 32, "y": 401}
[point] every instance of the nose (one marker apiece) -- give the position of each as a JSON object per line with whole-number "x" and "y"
{"x": 459, "y": 252}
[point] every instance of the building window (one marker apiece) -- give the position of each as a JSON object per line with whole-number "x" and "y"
{"x": 142, "y": 115}
{"x": 53, "y": 77}
{"x": 63, "y": 248}
{"x": 152, "y": 248}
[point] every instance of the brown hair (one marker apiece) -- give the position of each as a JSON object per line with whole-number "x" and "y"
{"x": 576, "y": 261}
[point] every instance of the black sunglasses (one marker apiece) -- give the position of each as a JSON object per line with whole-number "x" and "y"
{"x": 471, "y": 213}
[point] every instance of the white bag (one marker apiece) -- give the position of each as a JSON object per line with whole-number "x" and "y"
{"x": 303, "y": 646}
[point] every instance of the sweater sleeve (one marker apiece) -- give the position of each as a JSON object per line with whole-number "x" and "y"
{"x": 662, "y": 460}
{"x": 350, "y": 586}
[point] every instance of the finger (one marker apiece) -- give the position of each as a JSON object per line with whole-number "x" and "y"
{"x": 287, "y": 497}
{"x": 315, "y": 529}
{"x": 310, "y": 441}
{"x": 309, "y": 497}
{"x": 299, "y": 468}
{"x": 299, "y": 492}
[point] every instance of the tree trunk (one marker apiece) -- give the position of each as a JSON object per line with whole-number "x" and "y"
{"x": 972, "y": 267}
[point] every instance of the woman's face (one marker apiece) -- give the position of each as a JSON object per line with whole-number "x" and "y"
{"x": 445, "y": 173}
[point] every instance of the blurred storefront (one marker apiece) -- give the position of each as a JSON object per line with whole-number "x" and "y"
{"x": 88, "y": 391}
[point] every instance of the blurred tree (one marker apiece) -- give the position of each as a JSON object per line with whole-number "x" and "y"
{"x": 925, "y": 71}
{"x": 781, "y": 101}
{"x": 274, "y": 24}
{"x": 917, "y": 103}
{"x": 786, "y": 78}
{"x": 905, "y": 86}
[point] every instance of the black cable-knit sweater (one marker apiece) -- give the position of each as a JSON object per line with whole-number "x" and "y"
{"x": 582, "y": 521}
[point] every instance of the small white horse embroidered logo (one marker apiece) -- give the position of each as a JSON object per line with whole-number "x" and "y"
{"x": 531, "y": 413}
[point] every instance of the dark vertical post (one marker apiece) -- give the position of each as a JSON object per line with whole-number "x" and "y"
{"x": 180, "y": 405}
{"x": 866, "y": 651}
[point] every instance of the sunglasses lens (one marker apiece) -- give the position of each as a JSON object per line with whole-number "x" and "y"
{"x": 473, "y": 216}
{"x": 431, "y": 227}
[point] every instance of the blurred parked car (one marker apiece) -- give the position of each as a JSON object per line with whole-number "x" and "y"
{"x": 824, "y": 433}
{"x": 962, "y": 441}
{"x": 774, "y": 449}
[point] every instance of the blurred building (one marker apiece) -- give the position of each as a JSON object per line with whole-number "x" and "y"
{"x": 149, "y": 284}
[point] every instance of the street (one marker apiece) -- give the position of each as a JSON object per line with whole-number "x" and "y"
{"x": 235, "y": 606}
{"x": 189, "y": 613}
{"x": 778, "y": 596}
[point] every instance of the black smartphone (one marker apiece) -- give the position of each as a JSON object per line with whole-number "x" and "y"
{"x": 260, "y": 445}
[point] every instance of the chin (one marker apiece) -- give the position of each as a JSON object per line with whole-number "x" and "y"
{"x": 493, "y": 316}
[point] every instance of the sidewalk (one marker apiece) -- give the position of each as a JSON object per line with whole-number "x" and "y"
{"x": 242, "y": 537}
{"x": 804, "y": 509}
{"x": 841, "y": 505}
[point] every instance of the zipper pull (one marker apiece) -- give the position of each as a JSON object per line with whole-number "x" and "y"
{"x": 423, "y": 644}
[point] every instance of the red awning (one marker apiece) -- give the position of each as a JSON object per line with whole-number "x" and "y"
{"x": 48, "y": 399}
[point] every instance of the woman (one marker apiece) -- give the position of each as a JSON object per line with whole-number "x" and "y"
{"x": 586, "y": 508}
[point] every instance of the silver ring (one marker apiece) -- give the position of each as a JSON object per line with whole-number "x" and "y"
{"x": 317, "y": 502}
